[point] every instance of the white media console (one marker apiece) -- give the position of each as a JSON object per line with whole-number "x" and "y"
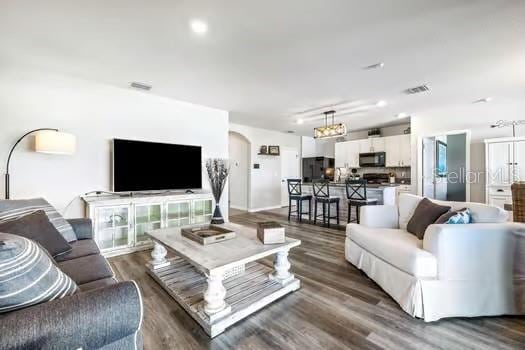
{"x": 120, "y": 223}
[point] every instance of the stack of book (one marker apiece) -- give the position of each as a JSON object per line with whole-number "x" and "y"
{"x": 270, "y": 232}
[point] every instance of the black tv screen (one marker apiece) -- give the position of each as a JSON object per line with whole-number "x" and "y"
{"x": 152, "y": 166}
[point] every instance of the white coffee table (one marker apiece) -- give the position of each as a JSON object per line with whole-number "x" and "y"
{"x": 221, "y": 283}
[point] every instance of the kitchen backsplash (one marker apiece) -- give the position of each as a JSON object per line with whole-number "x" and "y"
{"x": 402, "y": 173}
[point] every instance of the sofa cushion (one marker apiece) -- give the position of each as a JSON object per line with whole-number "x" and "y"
{"x": 80, "y": 248}
{"x": 396, "y": 247}
{"x": 36, "y": 226}
{"x": 12, "y": 209}
{"x": 480, "y": 213}
{"x": 97, "y": 284}
{"x": 28, "y": 275}
{"x": 87, "y": 268}
{"x": 426, "y": 213}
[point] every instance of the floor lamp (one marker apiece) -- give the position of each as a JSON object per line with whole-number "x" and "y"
{"x": 47, "y": 140}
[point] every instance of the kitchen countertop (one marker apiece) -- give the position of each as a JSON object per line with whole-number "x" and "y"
{"x": 368, "y": 186}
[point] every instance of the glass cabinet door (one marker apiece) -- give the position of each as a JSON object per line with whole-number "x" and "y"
{"x": 202, "y": 211}
{"x": 112, "y": 227}
{"x": 147, "y": 218}
{"x": 178, "y": 214}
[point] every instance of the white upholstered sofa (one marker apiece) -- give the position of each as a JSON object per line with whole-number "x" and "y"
{"x": 476, "y": 269}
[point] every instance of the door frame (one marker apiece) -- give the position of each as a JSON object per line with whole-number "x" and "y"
{"x": 248, "y": 172}
{"x": 419, "y": 172}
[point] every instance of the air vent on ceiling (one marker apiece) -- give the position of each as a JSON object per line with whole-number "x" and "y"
{"x": 141, "y": 86}
{"x": 417, "y": 89}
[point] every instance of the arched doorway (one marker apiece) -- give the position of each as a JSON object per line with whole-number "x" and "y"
{"x": 239, "y": 149}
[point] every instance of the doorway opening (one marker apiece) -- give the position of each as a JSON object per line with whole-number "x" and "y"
{"x": 239, "y": 148}
{"x": 445, "y": 167}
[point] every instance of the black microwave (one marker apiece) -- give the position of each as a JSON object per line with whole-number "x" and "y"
{"x": 372, "y": 160}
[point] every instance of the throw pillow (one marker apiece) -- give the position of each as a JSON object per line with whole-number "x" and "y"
{"x": 28, "y": 275}
{"x": 426, "y": 213}
{"x": 36, "y": 226}
{"x": 461, "y": 217}
{"x": 12, "y": 209}
{"x": 445, "y": 217}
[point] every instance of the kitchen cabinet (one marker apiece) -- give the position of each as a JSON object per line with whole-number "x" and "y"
{"x": 398, "y": 151}
{"x": 347, "y": 154}
{"x": 505, "y": 164}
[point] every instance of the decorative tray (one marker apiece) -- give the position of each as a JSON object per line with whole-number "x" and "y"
{"x": 207, "y": 234}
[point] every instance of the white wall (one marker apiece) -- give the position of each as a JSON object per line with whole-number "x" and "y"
{"x": 467, "y": 116}
{"x": 265, "y": 182}
{"x": 239, "y": 156}
{"x": 95, "y": 113}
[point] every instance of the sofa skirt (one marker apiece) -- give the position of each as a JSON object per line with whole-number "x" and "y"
{"x": 433, "y": 299}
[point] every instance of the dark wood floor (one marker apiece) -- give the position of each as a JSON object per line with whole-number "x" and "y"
{"x": 337, "y": 307}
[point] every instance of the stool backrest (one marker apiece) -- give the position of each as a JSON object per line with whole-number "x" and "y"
{"x": 356, "y": 189}
{"x": 294, "y": 187}
{"x": 321, "y": 188}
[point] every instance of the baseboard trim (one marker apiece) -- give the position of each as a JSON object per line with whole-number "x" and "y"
{"x": 238, "y": 207}
{"x": 253, "y": 210}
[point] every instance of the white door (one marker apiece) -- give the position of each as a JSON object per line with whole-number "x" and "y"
{"x": 519, "y": 161}
{"x": 289, "y": 170}
{"x": 500, "y": 161}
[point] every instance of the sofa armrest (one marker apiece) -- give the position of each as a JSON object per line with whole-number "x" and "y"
{"x": 380, "y": 216}
{"x": 483, "y": 252}
{"x": 87, "y": 320}
{"x": 83, "y": 228}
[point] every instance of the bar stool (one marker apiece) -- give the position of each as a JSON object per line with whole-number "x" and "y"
{"x": 295, "y": 193}
{"x": 356, "y": 196}
{"x": 321, "y": 190}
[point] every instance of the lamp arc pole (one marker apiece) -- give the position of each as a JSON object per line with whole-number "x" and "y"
{"x": 11, "y": 153}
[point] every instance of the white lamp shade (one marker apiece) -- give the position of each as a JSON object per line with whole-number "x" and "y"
{"x": 55, "y": 142}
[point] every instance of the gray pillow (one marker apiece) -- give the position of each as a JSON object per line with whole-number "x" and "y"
{"x": 36, "y": 226}
{"x": 426, "y": 213}
{"x": 13, "y": 209}
{"x": 445, "y": 217}
{"x": 28, "y": 275}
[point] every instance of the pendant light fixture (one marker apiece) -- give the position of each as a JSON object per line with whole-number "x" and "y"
{"x": 329, "y": 130}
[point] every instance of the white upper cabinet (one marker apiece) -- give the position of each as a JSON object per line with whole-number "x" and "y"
{"x": 398, "y": 151}
{"x": 397, "y": 148}
{"x": 499, "y": 163}
{"x": 519, "y": 161}
{"x": 405, "y": 150}
{"x": 340, "y": 154}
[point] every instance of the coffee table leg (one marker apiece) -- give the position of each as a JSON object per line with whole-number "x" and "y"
{"x": 281, "y": 267}
{"x": 159, "y": 256}
{"x": 214, "y": 304}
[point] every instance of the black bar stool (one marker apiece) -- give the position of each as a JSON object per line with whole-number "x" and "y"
{"x": 322, "y": 195}
{"x": 295, "y": 193}
{"x": 356, "y": 196}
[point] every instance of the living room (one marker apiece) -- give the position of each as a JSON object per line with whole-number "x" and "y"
{"x": 159, "y": 177}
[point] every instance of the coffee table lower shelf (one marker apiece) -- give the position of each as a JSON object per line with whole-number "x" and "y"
{"x": 246, "y": 292}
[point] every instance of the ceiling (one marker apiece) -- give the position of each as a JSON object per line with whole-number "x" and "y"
{"x": 265, "y": 61}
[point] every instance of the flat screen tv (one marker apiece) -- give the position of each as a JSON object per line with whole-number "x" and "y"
{"x": 152, "y": 166}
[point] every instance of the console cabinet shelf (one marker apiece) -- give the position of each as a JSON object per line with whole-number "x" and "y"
{"x": 120, "y": 223}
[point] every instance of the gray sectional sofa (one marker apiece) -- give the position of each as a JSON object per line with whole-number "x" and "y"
{"x": 103, "y": 314}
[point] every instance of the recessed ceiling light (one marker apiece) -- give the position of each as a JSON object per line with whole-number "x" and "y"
{"x": 300, "y": 121}
{"x": 290, "y": 131}
{"x": 483, "y": 100}
{"x": 375, "y": 66}
{"x": 381, "y": 103}
{"x": 401, "y": 115}
{"x": 198, "y": 26}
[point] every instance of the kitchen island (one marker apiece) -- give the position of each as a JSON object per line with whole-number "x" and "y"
{"x": 384, "y": 193}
